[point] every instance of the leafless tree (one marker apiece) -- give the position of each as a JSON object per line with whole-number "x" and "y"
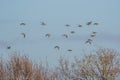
{"x": 104, "y": 64}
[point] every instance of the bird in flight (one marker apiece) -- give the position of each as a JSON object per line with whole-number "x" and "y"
{"x": 72, "y": 32}
{"x": 43, "y": 23}
{"x": 67, "y": 25}
{"x": 65, "y": 35}
{"x": 22, "y": 24}
{"x": 57, "y": 47}
{"x": 24, "y": 35}
{"x": 89, "y": 41}
{"x": 48, "y": 35}
{"x": 89, "y": 23}
{"x": 93, "y": 34}
{"x": 96, "y": 23}
{"x": 69, "y": 50}
{"x": 79, "y": 25}
{"x": 8, "y": 47}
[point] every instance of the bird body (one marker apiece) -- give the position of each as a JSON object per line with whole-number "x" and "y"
{"x": 23, "y": 24}
{"x": 69, "y": 50}
{"x": 89, "y": 23}
{"x": 94, "y": 32}
{"x": 8, "y": 47}
{"x": 24, "y": 35}
{"x": 72, "y": 32}
{"x": 89, "y": 41}
{"x": 57, "y": 47}
{"x": 67, "y": 25}
{"x": 79, "y": 25}
{"x": 65, "y": 35}
{"x": 43, "y": 23}
{"x": 93, "y": 35}
{"x": 96, "y": 23}
{"x": 48, "y": 35}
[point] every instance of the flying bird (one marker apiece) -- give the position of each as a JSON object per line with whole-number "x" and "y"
{"x": 96, "y": 24}
{"x": 22, "y": 24}
{"x": 89, "y": 41}
{"x": 24, "y": 35}
{"x": 65, "y": 35}
{"x": 93, "y": 35}
{"x": 8, "y": 47}
{"x": 48, "y": 35}
{"x": 67, "y": 25}
{"x": 57, "y": 47}
{"x": 72, "y": 32}
{"x": 89, "y": 23}
{"x": 94, "y": 32}
{"x": 69, "y": 50}
{"x": 79, "y": 25}
{"x": 43, "y": 23}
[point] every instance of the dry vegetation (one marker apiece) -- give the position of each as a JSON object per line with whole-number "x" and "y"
{"x": 104, "y": 64}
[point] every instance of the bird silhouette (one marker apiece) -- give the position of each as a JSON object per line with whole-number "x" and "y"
{"x": 69, "y": 50}
{"x": 67, "y": 25}
{"x": 22, "y": 24}
{"x": 89, "y": 41}
{"x": 89, "y": 23}
{"x": 48, "y": 35}
{"x": 24, "y": 35}
{"x": 57, "y": 47}
{"x": 72, "y": 32}
{"x": 65, "y": 35}
{"x": 43, "y": 23}
{"x": 8, "y": 47}
{"x": 79, "y": 25}
{"x": 96, "y": 24}
{"x": 93, "y": 34}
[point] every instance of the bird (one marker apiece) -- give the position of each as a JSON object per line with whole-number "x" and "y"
{"x": 94, "y": 32}
{"x": 57, "y": 47}
{"x": 8, "y": 47}
{"x": 72, "y": 32}
{"x": 22, "y": 24}
{"x": 43, "y": 23}
{"x": 79, "y": 25}
{"x": 89, "y": 41}
{"x": 65, "y": 35}
{"x": 96, "y": 23}
{"x": 48, "y": 35}
{"x": 67, "y": 25}
{"x": 93, "y": 35}
{"x": 89, "y": 23}
{"x": 24, "y": 35}
{"x": 69, "y": 50}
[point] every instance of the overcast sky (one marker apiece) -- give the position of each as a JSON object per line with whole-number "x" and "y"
{"x": 56, "y": 14}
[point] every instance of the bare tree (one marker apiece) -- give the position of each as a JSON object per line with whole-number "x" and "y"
{"x": 104, "y": 65}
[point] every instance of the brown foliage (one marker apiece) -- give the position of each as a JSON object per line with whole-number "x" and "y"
{"x": 104, "y": 64}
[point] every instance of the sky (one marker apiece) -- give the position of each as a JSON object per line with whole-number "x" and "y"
{"x": 56, "y": 14}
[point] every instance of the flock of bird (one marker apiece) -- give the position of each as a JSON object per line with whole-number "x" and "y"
{"x": 48, "y": 35}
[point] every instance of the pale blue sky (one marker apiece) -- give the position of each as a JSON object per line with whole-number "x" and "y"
{"x": 56, "y": 14}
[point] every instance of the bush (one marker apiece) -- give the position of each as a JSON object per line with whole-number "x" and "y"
{"x": 104, "y": 65}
